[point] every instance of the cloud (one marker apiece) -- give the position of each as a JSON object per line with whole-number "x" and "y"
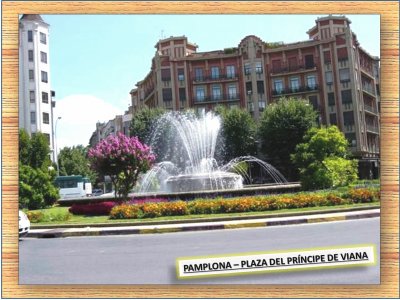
{"x": 79, "y": 115}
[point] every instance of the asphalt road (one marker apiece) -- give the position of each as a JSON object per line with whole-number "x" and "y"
{"x": 150, "y": 258}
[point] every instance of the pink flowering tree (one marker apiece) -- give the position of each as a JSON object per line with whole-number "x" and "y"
{"x": 123, "y": 159}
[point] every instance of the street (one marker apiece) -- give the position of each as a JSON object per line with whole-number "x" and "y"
{"x": 150, "y": 258}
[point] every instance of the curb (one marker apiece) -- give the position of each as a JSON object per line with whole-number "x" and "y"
{"x": 89, "y": 231}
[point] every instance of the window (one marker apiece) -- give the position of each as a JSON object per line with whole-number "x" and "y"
{"x": 276, "y": 66}
{"x": 346, "y": 97}
{"x": 249, "y": 88}
{"x": 331, "y": 99}
{"x": 259, "y": 68}
{"x": 294, "y": 84}
{"x": 278, "y": 86}
{"x": 31, "y": 75}
{"x": 43, "y": 57}
{"x": 30, "y": 55}
{"x": 260, "y": 87}
{"x": 45, "y": 97}
{"x": 247, "y": 69}
{"x": 44, "y": 76}
{"x": 311, "y": 82}
{"x": 182, "y": 94}
{"x": 261, "y": 105}
{"x": 342, "y": 54}
{"x": 232, "y": 92}
{"x": 216, "y": 92}
{"x": 46, "y": 119}
{"x": 198, "y": 73}
{"x": 293, "y": 64}
{"x": 351, "y": 137}
{"x": 43, "y": 38}
{"x": 309, "y": 61}
{"x": 314, "y": 102}
{"x": 344, "y": 75}
{"x": 32, "y": 96}
{"x": 200, "y": 93}
{"x": 332, "y": 119}
{"x": 230, "y": 72}
{"x": 166, "y": 74}
{"x": 214, "y": 72}
{"x": 30, "y": 36}
{"x": 328, "y": 77}
{"x": 167, "y": 94}
{"x": 33, "y": 117}
{"x": 348, "y": 118}
{"x": 327, "y": 57}
{"x": 181, "y": 74}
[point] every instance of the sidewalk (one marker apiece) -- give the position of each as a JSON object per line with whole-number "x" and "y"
{"x": 204, "y": 225}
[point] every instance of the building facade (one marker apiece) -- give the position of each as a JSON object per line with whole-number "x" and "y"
{"x": 330, "y": 69}
{"x": 35, "y": 95}
{"x": 121, "y": 123}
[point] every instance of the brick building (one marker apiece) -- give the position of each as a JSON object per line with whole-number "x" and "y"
{"x": 331, "y": 70}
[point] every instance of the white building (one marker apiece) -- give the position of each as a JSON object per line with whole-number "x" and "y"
{"x": 35, "y": 95}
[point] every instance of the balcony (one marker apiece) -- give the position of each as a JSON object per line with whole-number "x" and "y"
{"x": 300, "y": 89}
{"x": 369, "y": 90}
{"x": 370, "y": 109}
{"x": 292, "y": 69}
{"x": 217, "y": 99}
{"x": 221, "y": 77}
{"x": 373, "y": 128}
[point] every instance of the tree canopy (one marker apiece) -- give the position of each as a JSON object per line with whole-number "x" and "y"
{"x": 74, "y": 161}
{"x": 323, "y": 159}
{"x": 143, "y": 123}
{"x": 123, "y": 159}
{"x": 36, "y": 189}
{"x": 282, "y": 126}
{"x": 238, "y": 131}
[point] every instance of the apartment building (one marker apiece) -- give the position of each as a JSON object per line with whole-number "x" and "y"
{"x": 121, "y": 123}
{"x": 330, "y": 69}
{"x": 35, "y": 95}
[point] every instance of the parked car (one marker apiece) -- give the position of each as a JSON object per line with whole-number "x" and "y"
{"x": 97, "y": 192}
{"x": 24, "y": 223}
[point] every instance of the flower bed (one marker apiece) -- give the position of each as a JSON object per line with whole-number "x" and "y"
{"x": 104, "y": 208}
{"x": 242, "y": 204}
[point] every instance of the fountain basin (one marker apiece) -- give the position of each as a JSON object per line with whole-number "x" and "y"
{"x": 203, "y": 182}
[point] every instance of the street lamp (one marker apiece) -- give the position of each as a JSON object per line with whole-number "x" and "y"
{"x": 56, "y": 156}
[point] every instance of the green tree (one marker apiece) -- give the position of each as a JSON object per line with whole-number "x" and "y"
{"x": 123, "y": 159}
{"x": 282, "y": 126}
{"x": 74, "y": 161}
{"x": 144, "y": 121}
{"x": 323, "y": 159}
{"x": 34, "y": 151}
{"x": 36, "y": 189}
{"x": 238, "y": 131}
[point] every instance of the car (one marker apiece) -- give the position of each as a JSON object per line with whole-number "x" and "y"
{"x": 97, "y": 192}
{"x": 24, "y": 224}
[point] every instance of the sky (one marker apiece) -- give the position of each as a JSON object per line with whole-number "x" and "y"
{"x": 96, "y": 60}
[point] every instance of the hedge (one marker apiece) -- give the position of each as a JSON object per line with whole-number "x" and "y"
{"x": 242, "y": 204}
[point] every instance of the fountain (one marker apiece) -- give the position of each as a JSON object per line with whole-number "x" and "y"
{"x": 186, "y": 145}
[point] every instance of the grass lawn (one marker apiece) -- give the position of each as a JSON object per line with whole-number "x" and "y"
{"x": 92, "y": 220}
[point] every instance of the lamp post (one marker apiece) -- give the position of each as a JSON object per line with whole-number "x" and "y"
{"x": 56, "y": 156}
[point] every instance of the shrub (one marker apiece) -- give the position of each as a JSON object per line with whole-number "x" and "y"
{"x": 146, "y": 200}
{"x": 125, "y": 211}
{"x": 363, "y": 195}
{"x": 176, "y": 208}
{"x": 35, "y": 216}
{"x": 39, "y": 216}
{"x": 92, "y": 209}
